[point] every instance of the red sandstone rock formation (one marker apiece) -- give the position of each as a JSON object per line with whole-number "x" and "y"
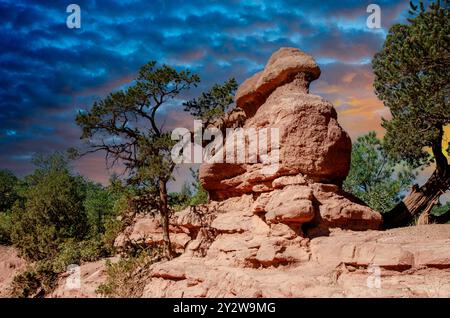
{"x": 314, "y": 152}
{"x": 288, "y": 234}
{"x": 239, "y": 255}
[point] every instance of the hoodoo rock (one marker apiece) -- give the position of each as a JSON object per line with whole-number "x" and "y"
{"x": 313, "y": 152}
{"x": 283, "y": 67}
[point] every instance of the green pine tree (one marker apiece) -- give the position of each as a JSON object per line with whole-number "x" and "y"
{"x": 411, "y": 78}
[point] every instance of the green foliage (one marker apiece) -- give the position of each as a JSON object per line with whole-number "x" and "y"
{"x": 124, "y": 277}
{"x": 5, "y": 228}
{"x": 52, "y": 212}
{"x": 214, "y": 103}
{"x": 440, "y": 209}
{"x": 92, "y": 250}
{"x": 180, "y": 200}
{"x": 59, "y": 211}
{"x": 113, "y": 226}
{"x": 68, "y": 253}
{"x": 99, "y": 206}
{"x": 35, "y": 281}
{"x": 411, "y": 78}
{"x": 8, "y": 191}
{"x": 122, "y": 217}
{"x": 200, "y": 194}
{"x": 60, "y": 219}
{"x": 77, "y": 252}
{"x": 25, "y": 284}
{"x": 9, "y": 194}
{"x": 56, "y": 218}
{"x": 376, "y": 178}
{"x": 124, "y": 124}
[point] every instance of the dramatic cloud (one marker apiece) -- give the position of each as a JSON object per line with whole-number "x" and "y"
{"x": 48, "y": 72}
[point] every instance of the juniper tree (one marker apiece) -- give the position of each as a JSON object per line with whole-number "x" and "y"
{"x": 411, "y": 78}
{"x": 125, "y": 126}
{"x": 51, "y": 211}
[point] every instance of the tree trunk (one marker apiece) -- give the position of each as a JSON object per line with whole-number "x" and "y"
{"x": 164, "y": 210}
{"x": 424, "y": 198}
{"x": 424, "y": 218}
{"x": 419, "y": 200}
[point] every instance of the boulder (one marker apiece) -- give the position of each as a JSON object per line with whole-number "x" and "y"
{"x": 283, "y": 67}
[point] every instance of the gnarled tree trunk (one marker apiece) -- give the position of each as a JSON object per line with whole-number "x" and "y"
{"x": 422, "y": 199}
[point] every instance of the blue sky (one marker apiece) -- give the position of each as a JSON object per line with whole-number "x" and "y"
{"x": 48, "y": 71}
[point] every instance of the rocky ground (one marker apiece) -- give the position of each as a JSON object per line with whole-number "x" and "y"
{"x": 10, "y": 265}
{"x": 246, "y": 257}
{"x": 411, "y": 262}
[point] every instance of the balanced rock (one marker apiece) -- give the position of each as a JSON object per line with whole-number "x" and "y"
{"x": 283, "y": 66}
{"x": 313, "y": 152}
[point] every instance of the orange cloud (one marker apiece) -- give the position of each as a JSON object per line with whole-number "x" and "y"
{"x": 350, "y": 89}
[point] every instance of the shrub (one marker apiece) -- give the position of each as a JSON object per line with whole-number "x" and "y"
{"x": 69, "y": 253}
{"x": 5, "y": 228}
{"x": 125, "y": 276}
{"x": 52, "y": 213}
{"x": 34, "y": 282}
{"x": 374, "y": 177}
{"x": 99, "y": 207}
{"x": 190, "y": 194}
{"x": 200, "y": 197}
{"x": 92, "y": 250}
{"x": 8, "y": 191}
{"x": 61, "y": 219}
{"x": 25, "y": 284}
